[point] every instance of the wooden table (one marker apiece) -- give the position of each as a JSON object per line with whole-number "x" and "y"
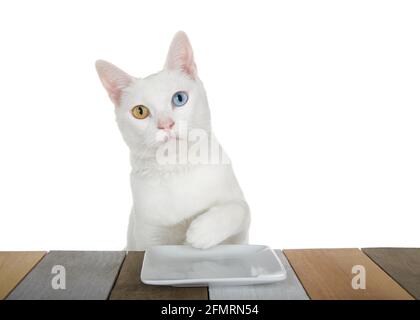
{"x": 390, "y": 273}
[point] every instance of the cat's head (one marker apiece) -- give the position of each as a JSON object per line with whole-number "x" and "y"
{"x": 151, "y": 111}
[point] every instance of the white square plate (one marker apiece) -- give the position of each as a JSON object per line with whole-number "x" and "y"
{"x": 220, "y": 265}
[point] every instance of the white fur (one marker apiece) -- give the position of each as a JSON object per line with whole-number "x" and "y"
{"x": 197, "y": 204}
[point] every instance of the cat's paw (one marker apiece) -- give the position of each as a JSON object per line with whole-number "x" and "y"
{"x": 203, "y": 233}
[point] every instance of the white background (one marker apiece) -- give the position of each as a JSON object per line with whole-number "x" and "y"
{"x": 316, "y": 102}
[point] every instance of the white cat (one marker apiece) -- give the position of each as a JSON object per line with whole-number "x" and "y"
{"x": 178, "y": 202}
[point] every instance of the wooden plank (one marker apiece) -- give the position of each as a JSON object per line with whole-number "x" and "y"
{"x": 14, "y": 265}
{"x": 288, "y": 289}
{"x": 129, "y": 286}
{"x": 402, "y": 264}
{"x": 327, "y": 274}
{"x": 88, "y": 275}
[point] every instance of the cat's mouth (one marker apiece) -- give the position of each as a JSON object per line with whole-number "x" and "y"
{"x": 173, "y": 138}
{"x": 163, "y": 136}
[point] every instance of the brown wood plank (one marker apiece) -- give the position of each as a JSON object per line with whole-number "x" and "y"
{"x": 402, "y": 264}
{"x": 129, "y": 286}
{"x": 14, "y": 266}
{"x": 327, "y": 274}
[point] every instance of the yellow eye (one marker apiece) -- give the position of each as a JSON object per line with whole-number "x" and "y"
{"x": 140, "y": 112}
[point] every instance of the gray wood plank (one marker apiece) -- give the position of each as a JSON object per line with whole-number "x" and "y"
{"x": 88, "y": 275}
{"x": 288, "y": 289}
{"x": 402, "y": 264}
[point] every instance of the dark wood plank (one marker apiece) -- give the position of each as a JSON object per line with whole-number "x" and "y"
{"x": 88, "y": 275}
{"x": 402, "y": 264}
{"x": 327, "y": 274}
{"x": 129, "y": 286}
{"x": 288, "y": 289}
{"x": 14, "y": 265}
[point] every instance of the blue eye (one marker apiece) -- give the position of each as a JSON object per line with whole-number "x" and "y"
{"x": 179, "y": 99}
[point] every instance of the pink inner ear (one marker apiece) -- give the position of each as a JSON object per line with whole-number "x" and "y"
{"x": 180, "y": 55}
{"x": 115, "y": 88}
{"x": 113, "y": 79}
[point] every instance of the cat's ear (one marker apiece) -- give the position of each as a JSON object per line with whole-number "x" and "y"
{"x": 113, "y": 79}
{"x": 180, "y": 55}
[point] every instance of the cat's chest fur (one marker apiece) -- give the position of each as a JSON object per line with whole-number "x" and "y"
{"x": 169, "y": 199}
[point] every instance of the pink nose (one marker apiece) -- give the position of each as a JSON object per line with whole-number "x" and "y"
{"x": 165, "y": 124}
